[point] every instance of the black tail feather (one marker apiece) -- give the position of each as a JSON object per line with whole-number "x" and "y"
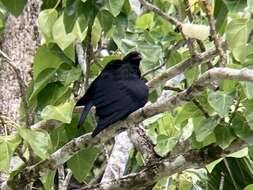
{"x": 85, "y": 112}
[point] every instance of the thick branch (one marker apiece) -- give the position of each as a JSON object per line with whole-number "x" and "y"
{"x": 118, "y": 158}
{"x": 168, "y": 104}
{"x": 170, "y": 166}
{"x": 143, "y": 144}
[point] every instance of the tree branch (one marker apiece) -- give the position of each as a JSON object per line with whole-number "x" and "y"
{"x": 168, "y": 104}
{"x": 118, "y": 159}
{"x": 214, "y": 35}
{"x": 169, "y": 166}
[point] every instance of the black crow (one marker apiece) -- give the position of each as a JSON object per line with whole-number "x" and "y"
{"x": 116, "y": 92}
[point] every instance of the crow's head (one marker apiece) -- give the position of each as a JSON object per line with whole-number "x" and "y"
{"x": 133, "y": 57}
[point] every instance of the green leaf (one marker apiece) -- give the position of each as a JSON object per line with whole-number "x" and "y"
{"x": 165, "y": 144}
{"x": 224, "y": 136}
{"x": 187, "y": 111}
{"x": 82, "y": 163}
{"x": 44, "y": 59}
{"x": 237, "y": 36}
{"x": 71, "y": 14}
{"x": 114, "y": 6}
{"x": 39, "y": 141}
{"x": 46, "y": 21}
{"x": 8, "y": 144}
{"x": 96, "y": 33}
{"x": 53, "y": 94}
{"x": 48, "y": 180}
{"x": 60, "y": 36}
{"x": 249, "y": 187}
{"x": 250, "y": 5}
{"x": 248, "y": 113}
{"x": 240, "y": 127}
{"x": 220, "y": 14}
{"x": 59, "y": 137}
{"x": 205, "y": 128}
{"x": 248, "y": 89}
{"x": 220, "y": 102}
{"x": 14, "y": 6}
{"x": 106, "y": 20}
{"x": 62, "y": 112}
{"x": 67, "y": 76}
{"x": 191, "y": 75}
{"x": 47, "y": 4}
{"x": 240, "y": 153}
{"x": 41, "y": 82}
{"x": 145, "y": 21}
{"x": 67, "y": 56}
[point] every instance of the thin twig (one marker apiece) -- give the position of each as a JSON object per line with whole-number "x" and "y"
{"x": 201, "y": 108}
{"x": 199, "y": 42}
{"x": 177, "y": 46}
{"x": 195, "y": 101}
{"x": 214, "y": 35}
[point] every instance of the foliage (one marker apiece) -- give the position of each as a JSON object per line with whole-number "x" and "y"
{"x": 117, "y": 26}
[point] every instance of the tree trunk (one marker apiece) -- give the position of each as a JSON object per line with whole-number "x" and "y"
{"x": 19, "y": 42}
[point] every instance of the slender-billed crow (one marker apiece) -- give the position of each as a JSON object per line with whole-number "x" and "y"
{"x": 116, "y": 92}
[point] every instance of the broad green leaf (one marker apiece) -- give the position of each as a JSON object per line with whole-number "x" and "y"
{"x": 44, "y": 59}
{"x": 8, "y": 144}
{"x": 205, "y": 128}
{"x": 220, "y": 14}
{"x": 250, "y": 5}
{"x": 67, "y": 76}
{"x": 60, "y": 36}
{"x": 62, "y": 112}
{"x": 211, "y": 166}
{"x": 249, "y": 187}
{"x": 240, "y": 127}
{"x": 48, "y": 180}
{"x": 248, "y": 113}
{"x": 187, "y": 111}
{"x": 71, "y": 14}
{"x": 67, "y": 56}
{"x": 191, "y": 75}
{"x": 248, "y": 89}
{"x": 106, "y": 20}
{"x": 165, "y": 144}
{"x": 185, "y": 185}
{"x": 224, "y": 136}
{"x": 14, "y": 6}
{"x": 96, "y": 33}
{"x": 210, "y": 139}
{"x": 114, "y": 6}
{"x": 53, "y": 94}
{"x": 46, "y": 21}
{"x": 145, "y": 21}
{"x": 237, "y": 36}
{"x": 59, "y": 137}
{"x": 237, "y": 32}
{"x": 47, "y": 4}
{"x": 82, "y": 162}
{"x": 220, "y": 102}
{"x": 240, "y": 153}
{"x": 39, "y": 141}
{"x": 41, "y": 82}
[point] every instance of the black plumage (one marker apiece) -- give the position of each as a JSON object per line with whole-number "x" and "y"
{"x": 116, "y": 92}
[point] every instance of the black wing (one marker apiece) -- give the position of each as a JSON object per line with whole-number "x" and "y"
{"x": 115, "y": 100}
{"x": 109, "y": 69}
